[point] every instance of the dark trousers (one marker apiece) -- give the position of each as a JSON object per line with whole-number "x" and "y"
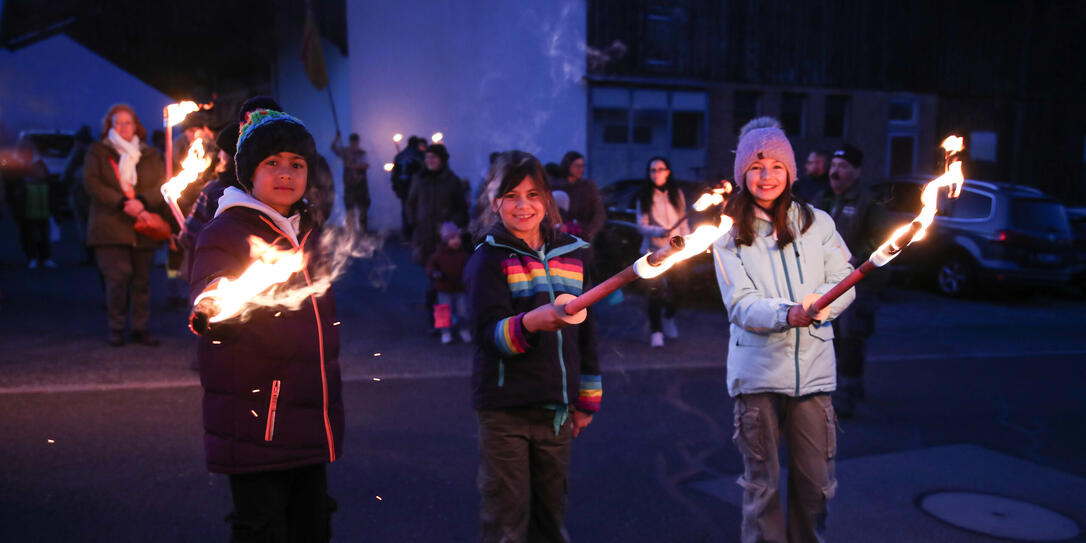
{"x": 523, "y": 475}
{"x": 281, "y": 506}
{"x": 126, "y": 269}
{"x": 850, "y": 332}
{"x": 34, "y": 235}
{"x": 809, "y": 427}
{"x": 356, "y": 202}
{"x": 661, "y": 300}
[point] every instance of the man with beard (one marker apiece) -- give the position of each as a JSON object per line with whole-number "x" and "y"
{"x": 858, "y": 217}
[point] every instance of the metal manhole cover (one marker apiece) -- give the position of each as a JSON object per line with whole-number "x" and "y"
{"x": 999, "y": 516}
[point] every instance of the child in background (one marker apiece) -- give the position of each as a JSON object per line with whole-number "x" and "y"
{"x": 536, "y": 378}
{"x": 446, "y": 269}
{"x": 31, "y": 206}
{"x": 272, "y": 407}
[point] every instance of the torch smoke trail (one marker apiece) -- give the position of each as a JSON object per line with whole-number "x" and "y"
{"x": 345, "y": 244}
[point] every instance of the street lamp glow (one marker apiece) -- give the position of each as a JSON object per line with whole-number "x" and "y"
{"x": 437, "y": 137}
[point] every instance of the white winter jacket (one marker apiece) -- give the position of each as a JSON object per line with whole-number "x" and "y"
{"x": 759, "y": 283}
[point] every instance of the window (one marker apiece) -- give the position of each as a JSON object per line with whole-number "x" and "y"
{"x": 611, "y": 123}
{"x": 686, "y": 129}
{"x": 836, "y": 116}
{"x": 902, "y": 111}
{"x": 744, "y": 108}
{"x": 902, "y": 154}
{"x": 982, "y": 146}
{"x": 904, "y": 198}
{"x": 793, "y": 106}
{"x": 650, "y": 126}
{"x": 1037, "y": 214}
{"x": 971, "y": 205}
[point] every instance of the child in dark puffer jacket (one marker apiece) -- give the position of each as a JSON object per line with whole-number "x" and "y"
{"x": 272, "y": 407}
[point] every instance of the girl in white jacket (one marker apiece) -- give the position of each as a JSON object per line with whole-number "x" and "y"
{"x": 778, "y": 258}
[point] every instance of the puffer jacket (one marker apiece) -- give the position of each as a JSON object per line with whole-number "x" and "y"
{"x": 758, "y": 283}
{"x": 516, "y": 368}
{"x": 272, "y": 388}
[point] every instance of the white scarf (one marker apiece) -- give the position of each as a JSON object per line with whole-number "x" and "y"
{"x": 130, "y": 156}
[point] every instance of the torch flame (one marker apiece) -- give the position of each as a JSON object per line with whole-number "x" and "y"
{"x": 695, "y": 243}
{"x": 388, "y": 166}
{"x": 437, "y": 137}
{"x": 953, "y": 144}
{"x": 713, "y": 197}
{"x": 271, "y": 267}
{"x": 397, "y": 137}
{"x": 196, "y": 161}
{"x": 175, "y": 113}
{"x": 952, "y": 179}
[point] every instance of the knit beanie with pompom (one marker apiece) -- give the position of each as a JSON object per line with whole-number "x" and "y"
{"x": 763, "y": 138}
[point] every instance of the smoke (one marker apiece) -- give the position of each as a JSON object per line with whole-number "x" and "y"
{"x": 343, "y": 245}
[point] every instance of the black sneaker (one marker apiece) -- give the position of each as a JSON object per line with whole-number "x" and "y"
{"x": 144, "y": 337}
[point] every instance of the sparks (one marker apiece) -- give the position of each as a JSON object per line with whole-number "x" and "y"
{"x": 50, "y": 441}
{"x": 253, "y": 411}
{"x": 376, "y": 354}
{"x": 337, "y": 323}
{"x": 380, "y": 499}
{"x": 378, "y": 379}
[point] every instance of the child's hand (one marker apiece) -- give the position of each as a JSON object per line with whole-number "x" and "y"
{"x": 797, "y": 316}
{"x": 811, "y": 299}
{"x": 581, "y": 420}
{"x": 543, "y": 318}
{"x": 200, "y": 319}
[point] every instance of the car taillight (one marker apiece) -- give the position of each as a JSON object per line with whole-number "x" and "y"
{"x": 1000, "y": 236}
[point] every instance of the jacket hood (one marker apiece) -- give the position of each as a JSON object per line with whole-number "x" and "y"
{"x": 499, "y": 235}
{"x": 234, "y": 197}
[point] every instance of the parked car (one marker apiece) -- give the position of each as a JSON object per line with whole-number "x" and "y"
{"x": 993, "y": 234}
{"x": 619, "y": 243}
{"x": 54, "y": 146}
{"x": 1077, "y": 217}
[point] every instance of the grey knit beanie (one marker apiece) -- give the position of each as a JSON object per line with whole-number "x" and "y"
{"x": 763, "y": 138}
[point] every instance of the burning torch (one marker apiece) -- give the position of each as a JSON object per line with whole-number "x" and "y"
{"x": 396, "y": 139}
{"x": 573, "y": 309}
{"x": 194, "y": 164}
{"x": 907, "y": 234}
{"x": 226, "y": 298}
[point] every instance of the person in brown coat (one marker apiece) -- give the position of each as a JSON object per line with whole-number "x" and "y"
{"x": 122, "y": 175}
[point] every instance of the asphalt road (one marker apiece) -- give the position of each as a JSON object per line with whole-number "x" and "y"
{"x": 125, "y": 462}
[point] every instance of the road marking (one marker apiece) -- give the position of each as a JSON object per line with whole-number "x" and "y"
{"x": 707, "y": 364}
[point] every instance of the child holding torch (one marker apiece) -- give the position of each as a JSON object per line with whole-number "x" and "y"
{"x": 536, "y": 378}
{"x": 273, "y": 415}
{"x": 780, "y": 255}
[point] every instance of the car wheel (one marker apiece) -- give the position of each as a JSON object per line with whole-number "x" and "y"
{"x": 956, "y": 276}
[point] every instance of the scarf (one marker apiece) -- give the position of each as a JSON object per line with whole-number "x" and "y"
{"x": 130, "y": 156}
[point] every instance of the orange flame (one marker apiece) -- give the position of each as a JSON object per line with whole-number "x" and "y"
{"x": 175, "y": 113}
{"x": 952, "y": 179}
{"x": 196, "y": 161}
{"x": 388, "y": 166}
{"x": 437, "y": 137}
{"x": 713, "y": 197}
{"x": 696, "y": 242}
{"x": 271, "y": 267}
{"x": 397, "y": 137}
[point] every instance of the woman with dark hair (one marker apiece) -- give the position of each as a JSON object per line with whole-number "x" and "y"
{"x": 585, "y": 203}
{"x": 779, "y": 257}
{"x": 122, "y": 175}
{"x": 536, "y": 377}
{"x": 661, "y": 214}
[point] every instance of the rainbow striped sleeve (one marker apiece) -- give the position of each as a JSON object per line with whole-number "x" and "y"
{"x": 591, "y": 393}
{"x": 509, "y": 336}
